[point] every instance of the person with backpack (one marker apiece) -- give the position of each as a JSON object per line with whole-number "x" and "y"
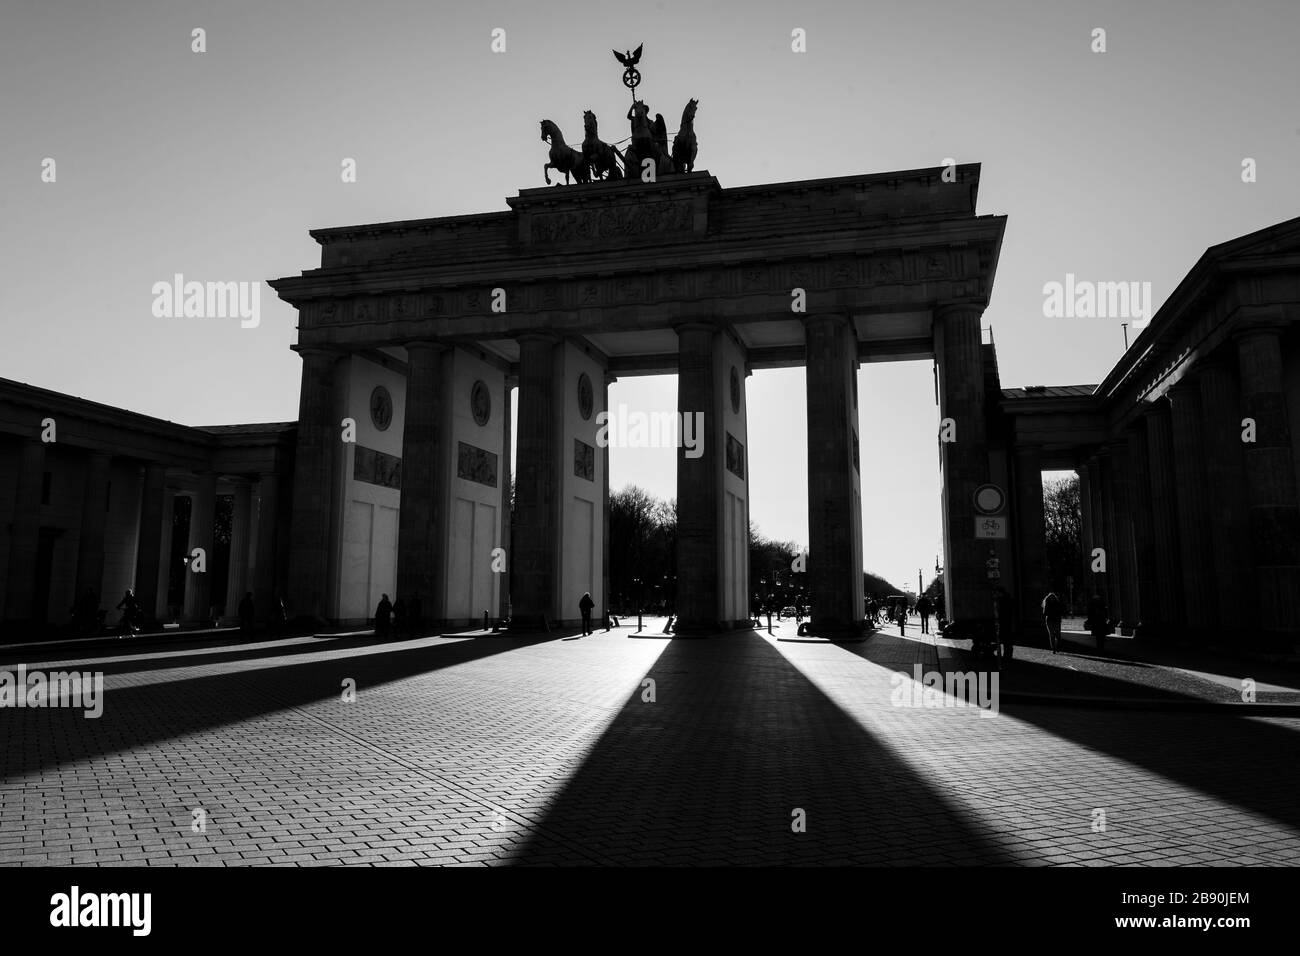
{"x": 1051, "y": 607}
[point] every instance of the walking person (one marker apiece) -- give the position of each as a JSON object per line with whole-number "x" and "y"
{"x": 130, "y": 609}
{"x": 924, "y": 607}
{"x": 902, "y": 618}
{"x": 246, "y": 615}
{"x": 383, "y": 617}
{"x": 399, "y": 617}
{"x": 585, "y": 605}
{"x": 1006, "y": 629}
{"x": 1052, "y": 620}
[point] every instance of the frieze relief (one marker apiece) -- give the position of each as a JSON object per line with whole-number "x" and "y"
{"x": 667, "y": 286}
{"x": 590, "y": 225}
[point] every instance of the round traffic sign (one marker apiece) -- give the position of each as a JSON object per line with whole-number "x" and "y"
{"x": 989, "y": 499}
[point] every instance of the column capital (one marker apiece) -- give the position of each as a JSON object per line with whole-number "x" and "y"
{"x": 959, "y": 307}
{"x": 837, "y": 317}
{"x": 538, "y": 335}
{"x": 694, "y": 325}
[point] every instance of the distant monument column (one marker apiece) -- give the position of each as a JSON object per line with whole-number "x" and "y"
{"x": 94, "y": 519}
{"x": 835, "y": 585}
{"x": 1031, "y": 538}
{"x": 1140, "y": 509}
{"x": 1226, "y": 485}
{"x": 1271, "y": 484}
{"x": 311, "y": 531}
{"x": 421, "y": 522}
{"x": 24, "y": 537}
{"x": 1193, "y": 506}
{"x": 507, "y": 507}
{"x": 958, "y": 348}
{"x": 1164, "y": 520}
{"x": 534, "y": 528}
{"x": 198, "y": 584}
{"x": 150, "y": 539}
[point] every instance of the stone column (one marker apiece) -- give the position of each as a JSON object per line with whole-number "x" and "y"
{"x": 198, "y": 584}
{"x": 1226, "y": 496}
{"x": 237, "y": 575}
{"x": 1140, "y": 508}
{"x": 421, "y": 521}
{"x": 151, "y": 538}
{"x": 698, "y": 508}
{"x": 1271, "y": 486}
{"x": 1110, "y": 535}
{"x": 1126, "y": 568}
{"x": 965, "y": 461}
{"x": 503, "y": 591}
{"x": 604, "y": 564}
{"x": 1164, "y": 521}
{"x": 834, "y": 510}
{"x": 535, "y": 521}
{"x": 1031, "y": 539}
{"x": 25, "y": 533}
{"x": 94, "y": 519}
{"x": 162, "y": 603}
{"x": 268, "y": 507}
{"x": 311, "y": 530}
{"x": 1199, "y": 606}
{"x": 1084, "y": 584}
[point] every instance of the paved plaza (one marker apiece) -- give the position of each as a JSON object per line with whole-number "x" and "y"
{"x": 755, "y": 749}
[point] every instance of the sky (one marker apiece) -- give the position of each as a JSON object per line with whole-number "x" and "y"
{"x": 1123, "y": 165}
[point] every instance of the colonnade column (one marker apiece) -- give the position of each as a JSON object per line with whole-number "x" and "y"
{"x": 198, "y": 584}
{"x": 1098, "y": 581}
{"x": 1110, "y": 534}
{"x": 150, "y": 537}
{"x": 237, "y": 569}
{"x": 1164, "y": 520}
{"x": 835, "y": 585}
{"x": 94, "y": 519}
{"x": 1199, "y": 606}
{"x": 264, "y": 574}
{"x": 311, "y": 531}
{"x": 421, "y": 537}
{"x": 1140, "y": 507}
{"x": 535, "y": 521}
{"x": 1126, "y": 570}
{"x": 1228, "y": 514}
{"x": 698, "y": 508}
{"x": 1271, "y": 485}
{"x": 25, "y": 533}
{"x": 965, "y": 460}
{"x": 1085, "y": 583}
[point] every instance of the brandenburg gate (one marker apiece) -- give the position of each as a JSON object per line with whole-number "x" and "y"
{"x": 412, "y": 335}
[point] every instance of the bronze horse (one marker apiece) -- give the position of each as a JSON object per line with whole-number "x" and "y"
{"x": 684, "y": 145}
{"x": 601, "y": 158}
{"x": 563, "y": 158}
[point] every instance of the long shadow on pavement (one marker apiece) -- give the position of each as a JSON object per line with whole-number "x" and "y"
{"x": 712, "y": 771}
{"x": 33, "y": 740}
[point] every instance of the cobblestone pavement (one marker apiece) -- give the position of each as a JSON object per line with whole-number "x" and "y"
{"x": 746, "y": 749}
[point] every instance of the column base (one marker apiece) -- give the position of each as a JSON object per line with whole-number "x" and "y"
{"x": 698, "y": 628}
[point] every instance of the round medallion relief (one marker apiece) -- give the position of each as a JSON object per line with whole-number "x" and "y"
{"x": 480, "y": 402}
{"x": 585, "y": 396}
{"x": 381, "y": 408}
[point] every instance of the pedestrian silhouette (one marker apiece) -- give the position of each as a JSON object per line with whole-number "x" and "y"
{"x": 1051, "y": 607}
{"x": 383, "y": 616}
{"x": 585, "y": 604}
